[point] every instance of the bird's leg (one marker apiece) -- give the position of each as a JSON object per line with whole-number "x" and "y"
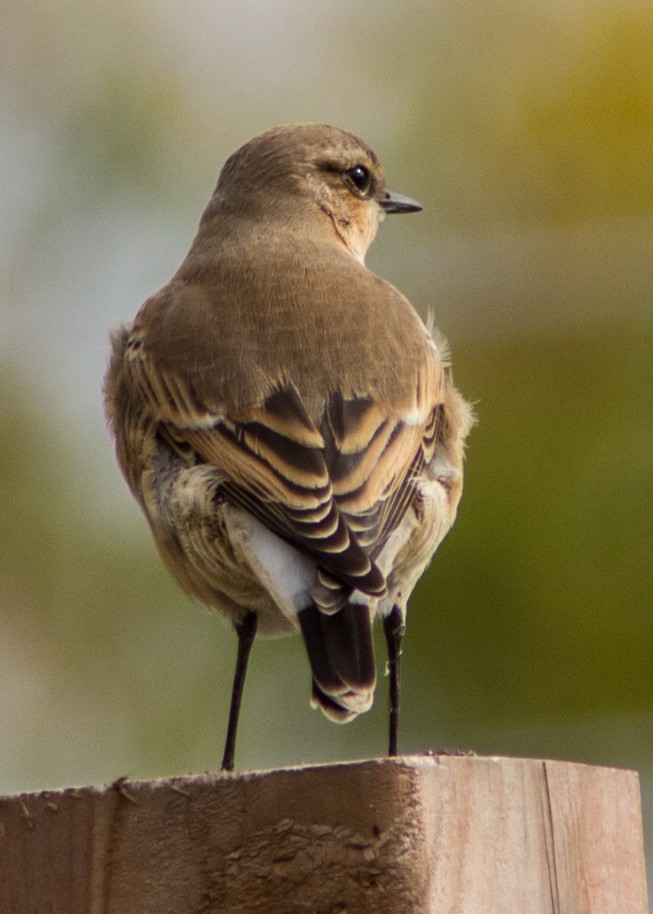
{"x": 246, "y": 631}
{"x": 394, "y": 628}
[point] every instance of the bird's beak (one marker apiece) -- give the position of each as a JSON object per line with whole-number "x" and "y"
{"x": 397, "y": 203}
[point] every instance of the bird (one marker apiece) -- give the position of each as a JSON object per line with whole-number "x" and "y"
{"x": 288, "y": 422}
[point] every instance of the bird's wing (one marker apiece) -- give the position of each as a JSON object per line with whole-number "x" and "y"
{"x": 335, "y": 489}
{"x": 273, "y": 464}
{"x": 373, "y": 459}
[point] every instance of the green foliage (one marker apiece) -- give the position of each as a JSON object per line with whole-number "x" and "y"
{"x": 540, "y": 603}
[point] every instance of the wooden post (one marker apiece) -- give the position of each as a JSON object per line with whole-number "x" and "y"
{"x": 411, "y": 835}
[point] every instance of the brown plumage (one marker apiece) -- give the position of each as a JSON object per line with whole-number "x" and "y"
{"x": 284, "y": 417}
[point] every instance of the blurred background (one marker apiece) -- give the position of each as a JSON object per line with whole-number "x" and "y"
{"x": 526, "y": 129}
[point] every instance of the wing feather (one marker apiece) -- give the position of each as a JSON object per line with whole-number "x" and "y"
{"x": 336, "y": 489}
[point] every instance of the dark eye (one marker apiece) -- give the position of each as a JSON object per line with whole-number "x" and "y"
{"x": 360, "y": 177}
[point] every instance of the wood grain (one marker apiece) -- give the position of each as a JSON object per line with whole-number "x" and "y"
{"x": 433, "y": 834}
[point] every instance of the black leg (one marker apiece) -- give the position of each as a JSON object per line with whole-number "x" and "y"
{"x": 394, "y": 628}
{"x": 246, "y": 631}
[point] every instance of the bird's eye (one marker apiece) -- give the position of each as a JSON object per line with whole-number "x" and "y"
{"x": 359, "y": 176}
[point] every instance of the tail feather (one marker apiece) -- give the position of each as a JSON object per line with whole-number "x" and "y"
{"x": 341, "y": 654}
{"x": 329, "y": 707}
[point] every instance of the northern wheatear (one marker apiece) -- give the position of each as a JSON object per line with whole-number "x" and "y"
{"x": 286, "y": 420}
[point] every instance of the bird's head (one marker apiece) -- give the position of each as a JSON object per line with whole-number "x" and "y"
{"x": 312, "y": 179}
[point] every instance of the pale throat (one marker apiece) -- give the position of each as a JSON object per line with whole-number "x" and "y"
{"x": 359, "y": 235}
{"x": 356, "y": 232}
{"x": 355, "y": 225}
